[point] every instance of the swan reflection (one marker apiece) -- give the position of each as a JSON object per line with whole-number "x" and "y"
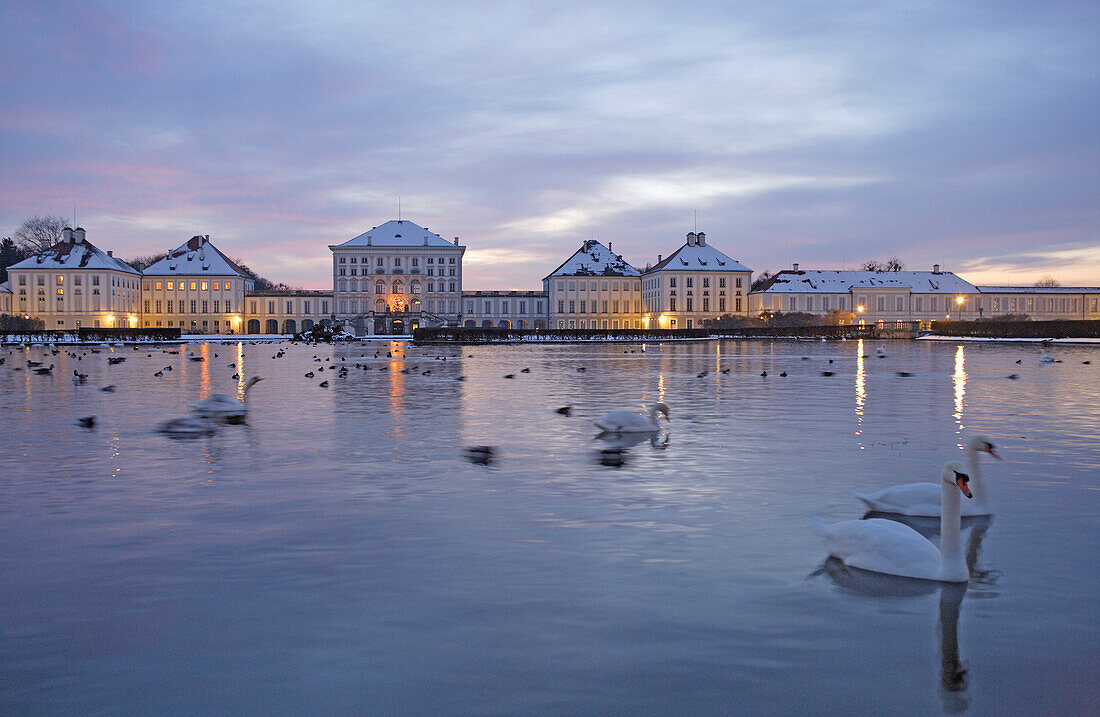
{"x": 953, "y": 682}
{"x": 614, "y": 447}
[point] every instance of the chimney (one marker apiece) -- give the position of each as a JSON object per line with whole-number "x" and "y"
{"x": 456, "y": 241}
{"x": 609, "y": 247}
{"x": 691, "y": 239}
{"x": 700, "y": 239}
{"x": 935, "y": 268}
{"x": 78, "y": 235}
{"x": 658, "y": 258}
{"x": 795, "y": 265}
{"x": 110, "y": 253}
{"x": 67, "y": 235}
{"x": 368, "y": 240}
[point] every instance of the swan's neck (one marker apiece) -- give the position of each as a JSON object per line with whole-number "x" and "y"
{"x": 977, "y": 485}
{"x": 954, "y": 562}
{"x": 653, "y": 415}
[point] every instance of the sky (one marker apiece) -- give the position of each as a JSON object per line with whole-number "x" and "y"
{"x": 824, "y": 133}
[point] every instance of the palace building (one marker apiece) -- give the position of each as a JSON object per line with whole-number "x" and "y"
{"x": 195, "y": 288}
{"x": 76, "y": 284}
{"x": 396, "y": 277}
{"x": 594, "y": 288}
{"x": 697, "y": 282}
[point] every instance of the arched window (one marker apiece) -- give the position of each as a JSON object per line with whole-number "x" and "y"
{"x": 505, "y": 324}
{"x": 380, "y": 287}
{"x": 398, "y": 287}
{"x": 342, "y": 285}
{"x": 380, "y": 306}
{"x": 353, "y": 285}
{"x": 307, "y": 324}
{"x": 415, "y": 288}
{"x": 521, "y": 324}
{"x": 415, "y": 304}
{"x": 469, "y": 323}
{"x": 272, "y": 327}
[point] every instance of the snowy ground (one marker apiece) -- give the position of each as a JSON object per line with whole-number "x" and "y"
{"x": 1027, "y": 340}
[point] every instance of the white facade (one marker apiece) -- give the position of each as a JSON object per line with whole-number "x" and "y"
{"x": 286, "y": 312}
{"x": 1041, "y": 303}
{"x": 871, "y": 297}
{"x": 5, "y": 299}
{"x": 195, "y": 288}
{"x": 594, "y": 289}
{"x": 74, "y": 284}
{"x": 504, "y": 309}
{"x": 696, "y": 283}
{"x": 396, "y": 277}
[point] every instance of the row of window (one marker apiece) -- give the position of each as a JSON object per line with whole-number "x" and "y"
{"x": 599, "y": 306}
{"x": 689, "y": 282}
{"x": 380, "y": 261}
{"x": 614, "y": 324}
{"x": 180, "y": 306}
{"x": 59, "y": 280}
{"x": 597, "y": 285}
{"x": 195, "y": 286}
{"x": 504, "y": 307}
{"x": 431, "y": 272}
{"x": 397, "y": 288}
{"x": 689, "y": 304}
{"x": 289, "y": 305}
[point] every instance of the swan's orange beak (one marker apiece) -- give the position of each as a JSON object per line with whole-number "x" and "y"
{"x": 961, "y": 480}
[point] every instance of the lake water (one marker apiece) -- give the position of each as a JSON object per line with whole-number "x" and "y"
{"x": 340, "y": 554}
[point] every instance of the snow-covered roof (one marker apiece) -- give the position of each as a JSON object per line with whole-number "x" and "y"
{"x": 5, "y": 287}
{"x": 594, "y": 259}
{"x": 1039, "y": 289}
{"x": 197, "y": 256}
{"x": 694, "y": 256}
{"x": 397, "y": 232}
{"x": 841, "y": 282}
{"x": 74, "y": 251}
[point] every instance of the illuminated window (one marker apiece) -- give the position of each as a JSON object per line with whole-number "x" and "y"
{"x": 60, "y": 279}
{"x": 203, "y": 286}
{"x": 227, "y": 286}
{"x": 169, "y": 286}
{"x": 192, "y": 286}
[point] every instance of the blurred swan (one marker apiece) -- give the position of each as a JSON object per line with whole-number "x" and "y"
{"x": 925, "y": 498}
{"x": 1047, "y": 358}
{"x": 622, "y": 441}
{"x": 886, "y": 546}
{"x": 624, "y": 421}
{"x": 226, "y": 407}
{"x": 880, "y": 352}
{"x": 187, "y": 427}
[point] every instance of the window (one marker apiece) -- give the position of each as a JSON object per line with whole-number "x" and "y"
{"x": 290, "y": 307}
{"x": 672, "y": 282}
{"x": 193, "y": 303}
{"x": 341, "y": 260}
{"x": 738, "y": 284}
{"x": 157, "y": 305}
{"x": 689, "y": 302}
{"x": 722, "y": 305}
{"x": 324, "y": 307}
{"x": 22, "y": 279}
{"x": 343, "y": 271}
{"x": 582, "y": 305}
{"x": 672, "y": 303}
{"x": 227, "y": 286}
{"x": 41, "y": 280}
{"x": 204, "y": 285}
{"x": 305, "y": 306}
{"x": 452, "y": 260}
{"x": 523, "y": 307}
{"x": 379, "y": 287}
{"x": 271, "y": 307}
{"x": 918, "y": 303}
{"x": 204, "y": 307}
{"x": 881, "y": 303}
{"x": 192, "y": 286}
{"x": 722, "y": 282}
{"x": 216, "y": 302}
{"x": 380, "y": 262}
{"x": 452, "y": 286}
{"x": 252, "y": 307}
{"x": 571, "y": 307}
{"x": 415, "y": 261}
{"x": 452, "y": 272}
{"x": 706, "y": 304}
{"x": 706, "y": 282}
{"x": 95, "y": 281}
{"x": 900, "y": 303}
{"x": 737, "y": 301}
{"x": 169, "y": 285}
{"x": 614, "y": 307}
{"x": 397, "y": 261}
{"x": 561, "y": 307}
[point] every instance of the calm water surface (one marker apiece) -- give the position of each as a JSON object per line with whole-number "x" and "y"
{"x": 339, "y": 553}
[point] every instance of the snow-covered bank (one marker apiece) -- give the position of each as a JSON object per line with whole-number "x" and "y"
{"x": 998, "y": 338}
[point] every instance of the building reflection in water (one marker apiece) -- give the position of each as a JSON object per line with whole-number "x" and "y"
{"x": 959, "y": 379}
{"x": 204, "y": 371}
{"x": 240, "y": 370}
{"x": 861, "y": 390}
{"x": 397, "y": 385}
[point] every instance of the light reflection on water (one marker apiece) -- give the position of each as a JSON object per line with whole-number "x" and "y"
{"x": 339, "y": 553}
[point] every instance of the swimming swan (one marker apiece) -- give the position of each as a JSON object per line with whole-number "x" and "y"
{"x": 923, "y": 499}
{"x": 225, "y": 407}
{"x": 624, "y": 421}
{"x": 886, "y": 546}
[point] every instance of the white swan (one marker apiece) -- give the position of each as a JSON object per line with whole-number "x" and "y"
{"x": 226, "y": 407}
{"x": 886, "y": 546}
{"x": 880, "y": 351}
{"x": 1047, "y": 358}
{"x": 923, "y": 499}
{"x": 187, "y": 427}
{"x": 624, "y": 421}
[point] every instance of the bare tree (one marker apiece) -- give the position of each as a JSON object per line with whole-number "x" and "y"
{"x": 1047, "y": 280}
{"x": 891, "y": 264}
{"x": 760, "y": 280}
{"x": 141, "y": 263}
{"x": 39, "y": 233}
